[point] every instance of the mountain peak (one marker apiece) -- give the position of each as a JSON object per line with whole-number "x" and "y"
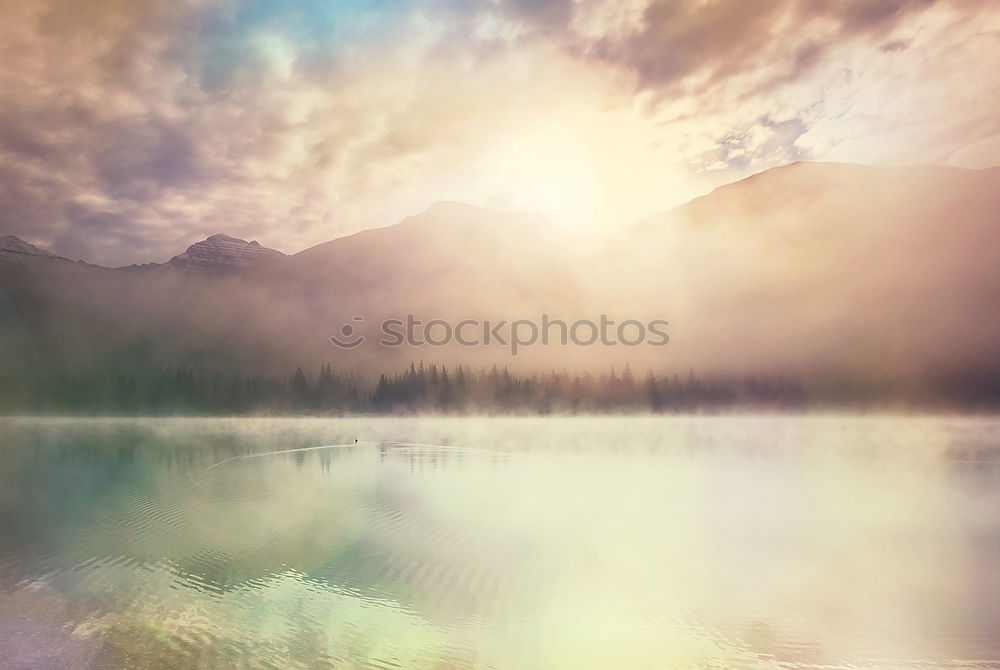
{"x": 15, "y": 245}
{"x": 223, "y": 253}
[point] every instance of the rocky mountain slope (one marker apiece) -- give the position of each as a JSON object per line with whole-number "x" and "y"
{"x": 222, "y": 253}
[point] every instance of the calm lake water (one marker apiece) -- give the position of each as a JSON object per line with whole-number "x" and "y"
{"x": 704, "y": 542}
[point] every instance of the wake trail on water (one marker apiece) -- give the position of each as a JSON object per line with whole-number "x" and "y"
{"x": 348, "y": 445}
{"x": 247, "y": 457}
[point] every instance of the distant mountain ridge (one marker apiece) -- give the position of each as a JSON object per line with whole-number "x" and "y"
{"x": 218, "y": 253}
{"x": 221, "y": 252}
{"x": 860, "y": 277}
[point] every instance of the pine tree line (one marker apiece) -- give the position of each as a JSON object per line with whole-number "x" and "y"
{"x": 417, "y": 389}
{"x": 433, "y": 389}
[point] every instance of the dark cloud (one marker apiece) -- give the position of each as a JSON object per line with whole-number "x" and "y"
{"x": 681, "y": 38}
{"x": 719, "y": 40}
{"x": 139, "y": 159}
{"x": 864, "y": 16}
{"x": 547, "y": 14}
{"x": 895, "y": 45}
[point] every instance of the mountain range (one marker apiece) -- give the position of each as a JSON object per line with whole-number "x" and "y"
{"x": 860, "y": 279}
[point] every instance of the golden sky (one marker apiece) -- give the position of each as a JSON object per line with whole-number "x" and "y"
{"x": 129, "y": 130}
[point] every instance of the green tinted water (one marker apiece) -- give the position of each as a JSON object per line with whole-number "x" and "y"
{"x": 710, "y": 542}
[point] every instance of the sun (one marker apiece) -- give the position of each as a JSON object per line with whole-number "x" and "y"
{"x": 547, "y": 168}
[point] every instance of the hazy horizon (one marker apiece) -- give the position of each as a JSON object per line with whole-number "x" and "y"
{"x": 555, "y": 224}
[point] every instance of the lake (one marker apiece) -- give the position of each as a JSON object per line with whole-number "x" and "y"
{"x": 662, "y": 542}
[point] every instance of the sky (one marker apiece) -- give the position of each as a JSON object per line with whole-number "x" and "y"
{"x": 130, "y": 130}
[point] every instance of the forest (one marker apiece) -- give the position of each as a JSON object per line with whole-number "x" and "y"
{"x": 419, "y": 388}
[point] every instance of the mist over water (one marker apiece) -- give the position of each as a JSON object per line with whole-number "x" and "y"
{"x": 701, "y": 542}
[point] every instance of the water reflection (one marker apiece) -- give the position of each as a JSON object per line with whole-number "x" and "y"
{"x": 501, "y": 543}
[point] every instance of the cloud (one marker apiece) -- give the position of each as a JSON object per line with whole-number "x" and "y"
{"x": 130, "y": 130}
{"x": 694, "y": 45}
{"x": 895, "y": 45}
{"x": 764, "y": 142}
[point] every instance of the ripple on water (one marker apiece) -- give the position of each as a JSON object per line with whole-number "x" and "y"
{"x": 686, "y": 545}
